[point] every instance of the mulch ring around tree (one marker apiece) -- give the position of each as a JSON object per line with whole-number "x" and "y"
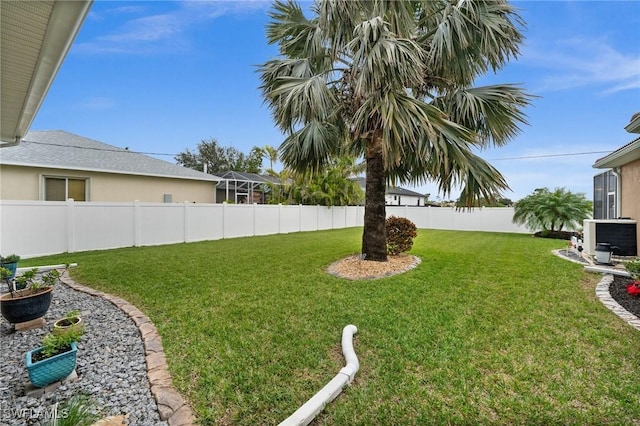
{"x": 355, "y": 268}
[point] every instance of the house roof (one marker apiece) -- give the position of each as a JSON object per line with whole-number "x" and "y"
{"x": 634, "y": 124}
{"x": 36, "y": 37}
{"x": 62, "y": 150}
{"x": 396, "y": 190}
{"x": 391, "y": 190}
{"x": 245, "y": 177}
{"x": 621, "y": 156}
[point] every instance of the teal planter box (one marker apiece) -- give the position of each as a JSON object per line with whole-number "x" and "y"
{"x": 47, "y": 371}
{"x": 11, "y": 267}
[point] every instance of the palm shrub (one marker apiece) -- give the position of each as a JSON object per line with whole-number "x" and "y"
{"x": 551, "y": 212}
{"x": 400, "y": 234}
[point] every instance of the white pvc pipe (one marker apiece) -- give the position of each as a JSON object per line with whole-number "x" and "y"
{"x": 45, "y": 268}
{"x": 305, "y": 414}
{"x": 605, "y": 270}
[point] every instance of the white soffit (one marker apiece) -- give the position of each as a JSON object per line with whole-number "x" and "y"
{"x": 34, "y": 40}
{"x": 620, "y": 157}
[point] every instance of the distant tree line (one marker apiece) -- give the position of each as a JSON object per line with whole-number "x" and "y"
{"x": 330, "y": 186}
{"x": 220, "y": 159}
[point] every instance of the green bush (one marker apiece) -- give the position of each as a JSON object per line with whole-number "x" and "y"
{"x": 400, "y": 234}
{"x": 633, "y": 268}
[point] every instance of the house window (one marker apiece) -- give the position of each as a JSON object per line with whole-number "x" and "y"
{"x": 604, "y": 195}
{"x": 62, "y": 188}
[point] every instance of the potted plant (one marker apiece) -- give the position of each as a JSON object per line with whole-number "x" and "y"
{"x": 11, "y": 263}
{"x": 71, "y": 321}
{"x": 33, "y": 301}
{"x": 633, "y": 268}
{"x": 54, "y": 360}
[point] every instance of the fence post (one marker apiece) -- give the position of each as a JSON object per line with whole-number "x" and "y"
{"x": 71, "y": 226}
{"x": 279, "y": 218}
{"x": 185, "y": 222}
{"x": 224, "y": 221}
{"x": 136, "y": 223}
{"x": 255, "y": 218}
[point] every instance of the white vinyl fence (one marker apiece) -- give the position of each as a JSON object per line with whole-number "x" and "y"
{"x": 38, "y": 228}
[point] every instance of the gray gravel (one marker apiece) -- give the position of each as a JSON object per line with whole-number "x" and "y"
{"x": 111, "y": 366}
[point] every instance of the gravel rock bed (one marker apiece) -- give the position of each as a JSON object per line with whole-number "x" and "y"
{"x": 111, "y": 365}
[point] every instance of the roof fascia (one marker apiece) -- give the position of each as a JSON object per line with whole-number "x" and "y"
{"x": 116, "y": 172}
{"x": 63, "y": 27}
{"x": 622, "y": 156}
{"x": 634, "y": 124}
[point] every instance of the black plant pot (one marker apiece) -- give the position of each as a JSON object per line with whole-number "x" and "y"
{"x": 25, "y": 306}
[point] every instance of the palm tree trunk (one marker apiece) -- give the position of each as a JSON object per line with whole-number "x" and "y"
{"x": 374, "y": 241}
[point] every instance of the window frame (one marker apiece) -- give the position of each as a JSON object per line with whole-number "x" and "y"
{"x": 605, "y": 186}
{"x": 44, "y": 177}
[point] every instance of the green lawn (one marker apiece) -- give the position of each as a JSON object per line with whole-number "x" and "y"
{"x": 489, "y": 329}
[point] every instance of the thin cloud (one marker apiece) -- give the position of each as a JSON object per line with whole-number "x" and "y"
{"x": 165, "y": 32}
{"x": 580, "y": 63}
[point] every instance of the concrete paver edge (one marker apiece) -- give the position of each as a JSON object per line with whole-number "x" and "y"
{"x": 178, "y": 412}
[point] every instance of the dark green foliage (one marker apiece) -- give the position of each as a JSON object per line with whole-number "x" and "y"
{"x": 400, "y": 234}
{"x": 220, "y": 159}
{"x": 54, "y": 344}
{"x": 80, "y": 410}
{"x": 330, "y": 186}
{"x": 552, "y": 211}
{"x": 633, "y": 268}
{"x": 12, "y": 258}
{"x": 556, "y": 235}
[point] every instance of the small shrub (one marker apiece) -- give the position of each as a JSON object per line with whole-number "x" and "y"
{"x": 400, "y": 234}
{"x": 80, "y": 410}
{"x": 556, "y": 235}
{"x": 633, "y": 268}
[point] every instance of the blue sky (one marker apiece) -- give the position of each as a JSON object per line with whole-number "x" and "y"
{"x": 160, "y": 76}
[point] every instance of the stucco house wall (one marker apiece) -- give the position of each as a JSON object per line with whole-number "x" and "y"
{"x": 625, "y": 164}
{"x": 630, "y": 192}
{"x": 108, "y": 173}
{"x": 26, "y": 183}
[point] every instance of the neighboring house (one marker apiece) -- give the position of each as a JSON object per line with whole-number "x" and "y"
{"x": 616, "y": 192}
{"x": 396, "y": 196}
{"x": 242, "y": 187}
{"x": 57, "y": 165}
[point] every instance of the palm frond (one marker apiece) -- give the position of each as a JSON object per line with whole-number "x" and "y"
{"x": 467, "y": 38}
{"x": 381, "y": 61}
{"x": 493, "y": 112}
{"x": 311, "y": 147}
{"x": 297, "y": 36}
{"x": 294, "y": 94}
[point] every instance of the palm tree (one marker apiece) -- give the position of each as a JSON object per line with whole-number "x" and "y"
{"x": 552, "y": 211}
{"x": 391, "y": 82}
{"x": 271, "y": 154}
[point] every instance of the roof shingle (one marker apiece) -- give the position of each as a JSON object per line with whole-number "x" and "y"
{"x": 62, "y": 150}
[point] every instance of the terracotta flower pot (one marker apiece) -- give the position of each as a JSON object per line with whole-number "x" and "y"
{"x": 65, "y": 325}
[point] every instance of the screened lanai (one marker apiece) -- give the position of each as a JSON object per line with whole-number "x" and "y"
{"x": 243, "y": 187}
